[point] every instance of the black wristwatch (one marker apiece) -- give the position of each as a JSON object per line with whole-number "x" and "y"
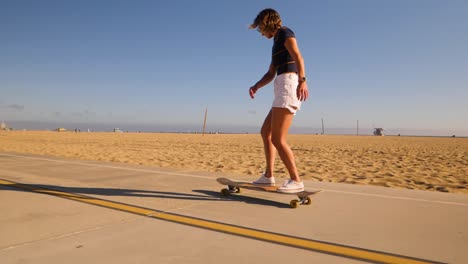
{"x": 302, "y": 79}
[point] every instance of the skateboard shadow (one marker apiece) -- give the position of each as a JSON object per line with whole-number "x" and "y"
{"x": 245, "y": 199}
{"x": 38, "y": 188}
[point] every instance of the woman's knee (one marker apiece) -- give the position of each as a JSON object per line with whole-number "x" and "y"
{"x": 266, "y": 133}
{"x": 278, "y": 142}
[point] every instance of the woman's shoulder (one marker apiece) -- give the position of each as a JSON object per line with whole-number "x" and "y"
{"x": 286, "y": 32}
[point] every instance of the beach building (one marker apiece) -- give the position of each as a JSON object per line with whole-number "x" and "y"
{"x": 3, "y": 126}
{"x": 378, "y": 131}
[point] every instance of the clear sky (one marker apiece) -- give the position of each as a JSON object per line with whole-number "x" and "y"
{"x": 401, "y": 65}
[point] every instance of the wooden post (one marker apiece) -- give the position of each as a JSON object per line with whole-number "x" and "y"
{"x": 204, "y": 122}
{"x": 323, "y": 128}
{"x": 357, "y": 128}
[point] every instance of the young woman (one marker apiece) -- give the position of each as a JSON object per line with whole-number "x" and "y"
{"x": 290, "y": 89}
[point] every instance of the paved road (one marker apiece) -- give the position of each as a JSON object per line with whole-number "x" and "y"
{"x": 70, "y": 211}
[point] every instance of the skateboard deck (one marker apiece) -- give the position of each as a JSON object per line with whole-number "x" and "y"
{"x": 235, "y": 187}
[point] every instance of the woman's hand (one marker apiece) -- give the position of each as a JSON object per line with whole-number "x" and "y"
{"x": 252, "y": 91}
{"x": 302, "y": 91}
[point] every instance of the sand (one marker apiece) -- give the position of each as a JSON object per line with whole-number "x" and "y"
{"x": 425, "y": 163}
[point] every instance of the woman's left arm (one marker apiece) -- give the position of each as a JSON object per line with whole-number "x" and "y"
{"x": 293, "y": 49}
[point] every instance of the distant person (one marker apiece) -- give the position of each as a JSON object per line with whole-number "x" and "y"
{"x": 290, "y": 89}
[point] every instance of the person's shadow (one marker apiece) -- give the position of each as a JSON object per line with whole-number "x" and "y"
{"x": 39, "y": 188}
{"x": 196, "y": 195}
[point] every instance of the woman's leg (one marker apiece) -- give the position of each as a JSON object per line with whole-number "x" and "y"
{"x": 270, "y": 151}
{"x": 281, "y": 120}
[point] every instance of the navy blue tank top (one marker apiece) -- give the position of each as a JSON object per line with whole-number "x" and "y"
{"x": 281, "y": 58}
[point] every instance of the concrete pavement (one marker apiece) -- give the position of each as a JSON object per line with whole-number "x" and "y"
{"x": 54, "y": 210}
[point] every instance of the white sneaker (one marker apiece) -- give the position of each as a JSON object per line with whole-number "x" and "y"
{"x": 290, "y": 186}
{"x": 265, "y": 181}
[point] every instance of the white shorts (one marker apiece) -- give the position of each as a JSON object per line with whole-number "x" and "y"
{"x": 285, "y": 92}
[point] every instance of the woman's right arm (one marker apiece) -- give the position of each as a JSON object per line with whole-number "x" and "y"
{"x": 266, "y": 79}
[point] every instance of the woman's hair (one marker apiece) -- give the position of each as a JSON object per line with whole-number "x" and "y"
{"x": 267, "y": 20}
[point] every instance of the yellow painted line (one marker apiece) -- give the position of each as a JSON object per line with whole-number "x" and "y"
{"x": 308, "y": 244}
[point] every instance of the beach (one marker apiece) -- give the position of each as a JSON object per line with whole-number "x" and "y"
{"x": 424, "y": 163}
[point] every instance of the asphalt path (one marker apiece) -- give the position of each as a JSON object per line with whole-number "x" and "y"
{"x": 55, "y": 210}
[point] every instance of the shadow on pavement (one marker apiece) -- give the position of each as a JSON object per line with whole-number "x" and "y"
{"x": 245, "y": 199}
{"x": 204, "y": 195}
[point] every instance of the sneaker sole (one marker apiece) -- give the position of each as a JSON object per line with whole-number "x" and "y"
{"x": 290, "y": 191}
{"x": 264, "y": 184}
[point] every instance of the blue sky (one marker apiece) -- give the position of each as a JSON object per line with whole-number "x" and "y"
{"x": 401, "y": 65}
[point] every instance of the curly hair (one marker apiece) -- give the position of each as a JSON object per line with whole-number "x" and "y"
{"x": 267, "y": 20}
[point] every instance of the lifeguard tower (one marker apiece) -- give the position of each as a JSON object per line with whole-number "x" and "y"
{"x": 378, "y": 131}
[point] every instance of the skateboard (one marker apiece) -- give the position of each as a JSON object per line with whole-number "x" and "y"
{"x": 235, "y": 187}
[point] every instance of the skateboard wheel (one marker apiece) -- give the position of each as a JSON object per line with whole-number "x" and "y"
{"x": 294, "y": 203}
{"x": 233, "y": 189}
{"x": 308, "y": 201}
{"x": 225, "y": 192}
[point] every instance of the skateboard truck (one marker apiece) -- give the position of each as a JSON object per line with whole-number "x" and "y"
{"x": 233, "y": 189}
{"x": 230, "y": 189}
{"x": 303, "y": 199}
